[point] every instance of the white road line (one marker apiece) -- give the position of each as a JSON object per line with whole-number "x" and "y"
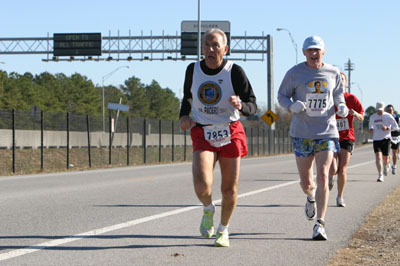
{"x": 360, "y": 164}
{"x": 266, "y": 189}
{"x": 61, "y": 241}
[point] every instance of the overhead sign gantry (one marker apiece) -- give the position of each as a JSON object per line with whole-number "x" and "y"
{"x": 140, "y": 48}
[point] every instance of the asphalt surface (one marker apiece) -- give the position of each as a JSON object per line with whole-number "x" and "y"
{"x": 149, "y": 215}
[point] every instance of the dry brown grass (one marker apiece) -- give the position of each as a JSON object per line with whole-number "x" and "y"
{"x": 28, "y": 161}
{"x": 377, "y": 242}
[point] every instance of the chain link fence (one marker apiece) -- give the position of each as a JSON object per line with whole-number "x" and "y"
{"x": 47, "y": 142}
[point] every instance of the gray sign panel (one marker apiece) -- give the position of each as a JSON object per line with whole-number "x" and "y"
{"x": 192, "y": 25}
{"x": 115, "y": 106}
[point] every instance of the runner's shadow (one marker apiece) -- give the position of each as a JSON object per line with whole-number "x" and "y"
{"x": 135, "y": 238}
{"x": 102, "y": 237}
{"x": 269, "y": 180}
{"x": 269, "y": 206}
{"x": 144, "y": 205}
{"x": 373, "y": 180}
{"x": 183, "y": 206}
{"x": 238, "y": 236}
{"x": 85, "y": 248}
{"x": 242, "y": 236}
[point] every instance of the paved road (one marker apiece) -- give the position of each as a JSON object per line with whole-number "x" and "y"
{"x": 149, "y": 215}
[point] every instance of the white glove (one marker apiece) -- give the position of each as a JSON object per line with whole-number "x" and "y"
{"x": 297, "y": 107}
{"x": 343, "y": 111}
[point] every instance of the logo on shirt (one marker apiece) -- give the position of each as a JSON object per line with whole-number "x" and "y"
{"x": 209, "y": 93}
{"x": 317, "y": 86}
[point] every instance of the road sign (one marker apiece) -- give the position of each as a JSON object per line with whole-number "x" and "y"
{"x": 269, "y": 117}
{"x": 193, "y": 25}
{"x": 76, "y": 44}
{"x": 189, "y": 34}
{"x": 115, "y": 106}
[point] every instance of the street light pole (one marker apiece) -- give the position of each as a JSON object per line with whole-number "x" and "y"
{"x": 358, "y": 86}
{"x": 291, "y": 38}
{"x": 102, "y": 84}
{"x": 198, "y": 32}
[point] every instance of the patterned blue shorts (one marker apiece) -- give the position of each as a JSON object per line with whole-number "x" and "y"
{"x": 307, "y": 147}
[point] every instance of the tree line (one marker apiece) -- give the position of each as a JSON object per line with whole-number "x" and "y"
{"x": 77, "y": 94}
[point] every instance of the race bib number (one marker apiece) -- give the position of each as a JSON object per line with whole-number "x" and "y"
{"x": 378, "y": 125}
{"x": 342, "y": 124}
{"x": 317, "y": 104}
{"x": 217, "y": 135}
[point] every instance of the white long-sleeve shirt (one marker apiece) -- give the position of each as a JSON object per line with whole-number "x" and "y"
{"x": 377, "y": 121}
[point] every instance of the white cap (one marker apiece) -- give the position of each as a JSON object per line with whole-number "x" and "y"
{"x": 380, "y": 106}
{"x": 313, "y": 42}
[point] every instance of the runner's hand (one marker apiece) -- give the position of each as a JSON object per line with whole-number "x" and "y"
{"x": 235, "y": 101}
{"x": 185, "y": 122}
{"x": 297, "y": 107}
{"x": 343, "y": 111}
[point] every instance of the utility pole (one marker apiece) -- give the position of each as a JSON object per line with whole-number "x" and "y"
{"x": 349, "y": 66}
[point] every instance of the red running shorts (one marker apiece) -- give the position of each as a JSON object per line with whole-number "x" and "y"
{"x": 237, "y": 147}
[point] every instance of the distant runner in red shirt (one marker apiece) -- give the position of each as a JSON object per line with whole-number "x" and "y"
{"x": 347, "y": 140}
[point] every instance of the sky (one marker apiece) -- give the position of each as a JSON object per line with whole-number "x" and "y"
{"x": 365, "y": 31}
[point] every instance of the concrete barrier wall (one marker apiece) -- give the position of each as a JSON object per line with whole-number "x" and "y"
{"x": 30, "y": 139}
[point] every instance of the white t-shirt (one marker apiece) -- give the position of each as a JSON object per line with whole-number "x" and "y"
{"x": 375, "y": 123}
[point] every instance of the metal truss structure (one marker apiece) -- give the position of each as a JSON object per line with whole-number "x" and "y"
{"x": 149, "y": 48}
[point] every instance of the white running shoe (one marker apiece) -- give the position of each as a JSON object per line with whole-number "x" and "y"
{"x": 222, "y": 239}
{"x": 380, "y": 178}
{"x": 340, "y": 202}
{"x": 310, "y": 209}
{"x": 386, "y": 169}
{"x": 393, "y": 169}
{"x": 319, "y": 232}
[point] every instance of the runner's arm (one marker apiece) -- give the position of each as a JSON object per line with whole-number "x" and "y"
{"x": 356, "y": 108}
{"x": 186, "y": 105}
{"x": 242, "y": 88}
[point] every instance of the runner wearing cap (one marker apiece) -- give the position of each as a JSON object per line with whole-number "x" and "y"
{"x": 347, "y": 140}
{"x": 311, "y": 90}
{"x": 381, "y": 124}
